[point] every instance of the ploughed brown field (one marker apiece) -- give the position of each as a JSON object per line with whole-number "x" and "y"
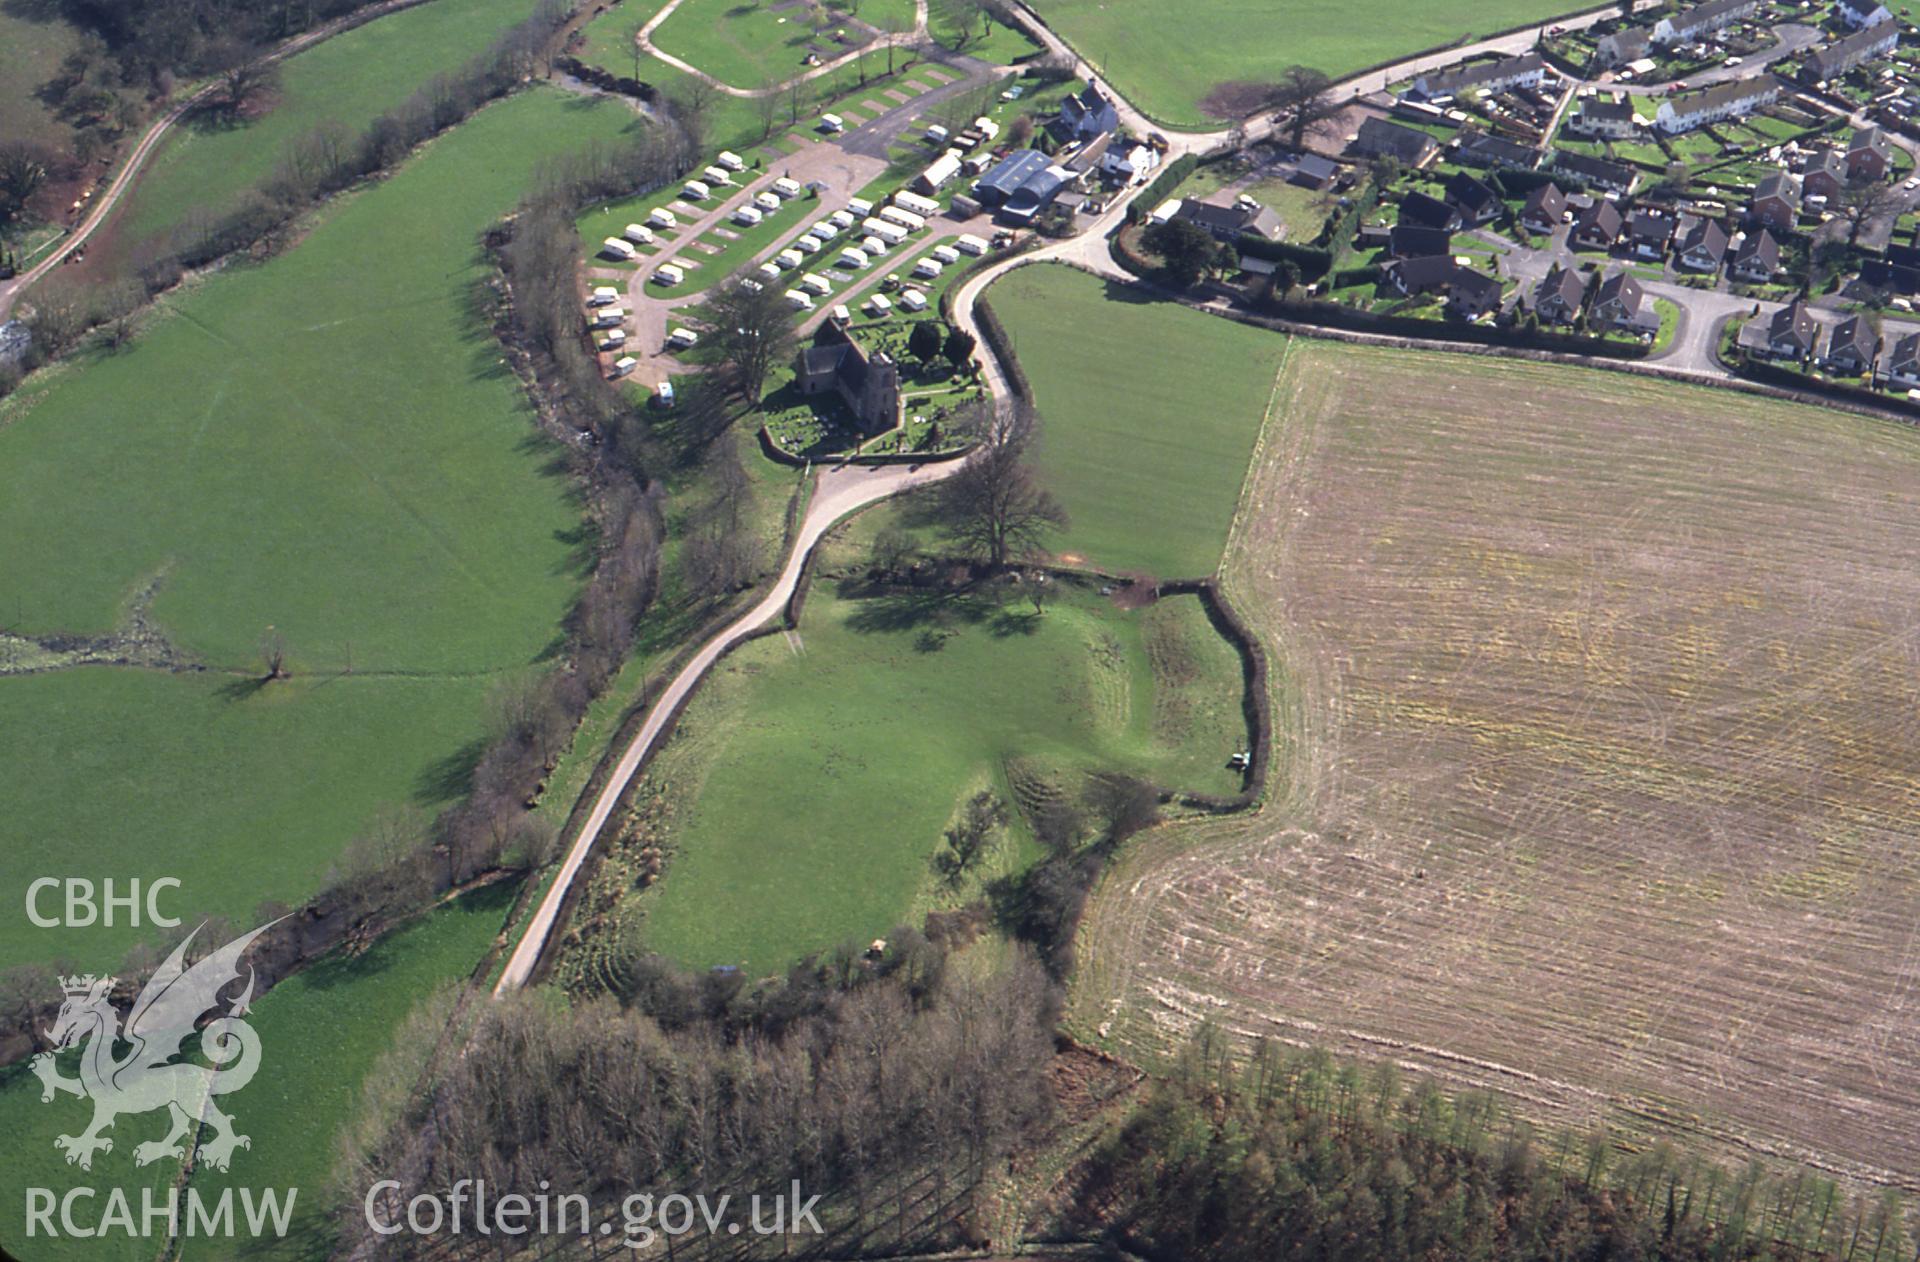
{"x": 1599, "y": 769}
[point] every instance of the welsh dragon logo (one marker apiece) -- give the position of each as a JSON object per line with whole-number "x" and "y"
{"x": 150, "y": 1076}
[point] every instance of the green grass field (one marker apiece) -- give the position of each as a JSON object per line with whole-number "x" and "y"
{"x": 31, "y": 50}
{"x": 892, "y": 710}
{"x": 756, "y": 44}
{"x": 326, "y": 444}
{"x": 319, "y": 1031}
{"x": 1149, "y": 412}
{"x": 350, "y": 79}
{"x": 1167, "y": 58}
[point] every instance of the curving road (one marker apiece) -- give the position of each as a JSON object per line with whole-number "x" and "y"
{"x": 11, "y": 290}
{"x": 839, "y": 491}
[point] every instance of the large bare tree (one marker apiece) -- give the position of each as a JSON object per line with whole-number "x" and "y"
{"x": 1301, "y": 97}
{"x": 754, "y": 331}
{"x": 995, "y": 507}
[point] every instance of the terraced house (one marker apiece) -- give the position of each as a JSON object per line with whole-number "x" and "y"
{"x": 1734, "y": 99}
{"x": 1702, "y": 20}
{"x": 1848, "y": 52}
{"x": 1524, "y": 71}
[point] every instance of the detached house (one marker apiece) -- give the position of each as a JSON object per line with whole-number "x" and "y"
{"x": 1545, "y": 208}
{"x": 1776, "y": 201}
{"x": 1833, "y": 60}
{"x": 1599, "y": 226}
{"x": 1902, "y": 363}
{"x": 1411, "y": 241}
{"x": 1428, "y": 211}
{"x": 1793, "y": 333}
{"x": 1557, "y": 299}
{"x": 1408, "y": 146}
{"x": 1622, "y": 304}
{"x": 1649, "y": 233}
{"x": 1627, "y": 44}
{"x": 1472, "y": 200}
{"x": 1703, "y": 246}
{"x": 1853, "y": 348}
{"x": 1702, "y": 20}
{"x": 1869, "y": 156}
{"x": 1756, "y": 258}
{"x": 1524, "y": 71}
{"x": 1735, "y": 98}
{"x": 1825, "y": 174}
{"x": 1088, "y": 113}
{"x": 1469, "y": 294}
{"x": 1610, "y": 120}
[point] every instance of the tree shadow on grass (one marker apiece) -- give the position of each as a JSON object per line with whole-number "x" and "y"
{"x": 1008, "y": 623}
{"x": 891, "y": 611}
{"x": 241, "y": 689}
{"x": 448, "y": 778}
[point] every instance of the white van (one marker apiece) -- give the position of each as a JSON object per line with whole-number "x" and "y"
{"x": 638, "y": 233}
{"x": 927, "y": 269}
{"x": 832, "y": 124}
{"x": 891, "y": 233}
{"x": 936, "y": 135}
{"x": 668, "y": 274}
{"x": 682, "y": 338}
{"x": 770, "y": 270}
{"x": 664, "y": 395}
{"x": 946, "y": 254}
{"x": 730, "y": 160}
{"x": 799, "y": 301}
{"x": 879, "y": 304}
{"x": 786, "y": 187}
{"x": 616, "y": 248}
{"x": 842, "y": 219}
{"x": 808, "y": 245}
{"x": 967, "y": 243}
{"x": 816, "y": 284}
{"x": 661, "y": 217}
{"x": 913, "y": 300}
{"x": 748, "y": 216}
{"x": 608, "y": 318}
{"x": 852, "y": 258}
{"x": 905, "y": 218}
{"x": 695, "y": 191}
{"x": 823, "y": 231}
{"x": 614, "y": 340}
{"x": 717, "y": 175}
{"x": 766, "y": 201}
{"x": 859, "y": 207}
{"x": 874, "y": 246}
{"x": 622, "y": 366}
{"x": 602, "y": 295}
{"x": 789, "y": 259}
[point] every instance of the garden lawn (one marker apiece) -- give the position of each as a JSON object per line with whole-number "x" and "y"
{"x": 320, "y": 1031}
{"x": 328, "y": 445}
{"x": 203, "y": 169}
{"x": 755, "y": 44}
{"x": 1167, "y": 58}
{"x": 1148, "y": 414}
{"x": 879, "y": 719}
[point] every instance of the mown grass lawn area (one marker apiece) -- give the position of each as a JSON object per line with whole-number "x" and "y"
{"x": 320, "y": 1031}
{"x": 203, "y": 169}
{"x": 1149, "y": 412}
{"x": 1167, "y": 58}
{"x": 895, "y": 709}
{"x": 328, "y": 445}
{"x": 755, "y": 43}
